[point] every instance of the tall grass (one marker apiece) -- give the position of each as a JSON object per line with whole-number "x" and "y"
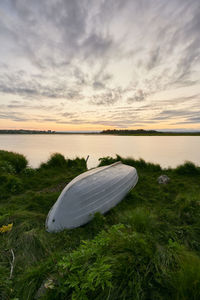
{"x": 147, "y": 247}
{"x": 57, "y": 161}
{"x": 141, "y": 164}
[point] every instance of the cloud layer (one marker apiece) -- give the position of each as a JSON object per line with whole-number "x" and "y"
{"x": 110, "y": 63}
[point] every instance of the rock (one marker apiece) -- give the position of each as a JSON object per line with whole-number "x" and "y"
{"x": 46, "y": 284}
{"x": 163, "y": 179}
{"x": 41, "y": 292}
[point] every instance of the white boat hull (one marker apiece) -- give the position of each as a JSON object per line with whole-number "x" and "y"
{"x": 97, "y": 190}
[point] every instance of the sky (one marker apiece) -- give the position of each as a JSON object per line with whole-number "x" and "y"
{"x": 104, "y": 64}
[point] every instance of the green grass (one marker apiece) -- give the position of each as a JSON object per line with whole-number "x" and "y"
{"x": 147, "y": 247}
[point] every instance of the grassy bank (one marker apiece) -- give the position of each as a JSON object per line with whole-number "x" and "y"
{"x": 147, "y": 247}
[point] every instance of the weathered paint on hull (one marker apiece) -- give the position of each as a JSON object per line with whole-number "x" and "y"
{"x": 97, "y": 190}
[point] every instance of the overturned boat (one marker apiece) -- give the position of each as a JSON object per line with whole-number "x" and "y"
{"x": 97, "y": 190}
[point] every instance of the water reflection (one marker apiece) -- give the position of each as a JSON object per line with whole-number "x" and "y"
{"x": 165, "y": 150}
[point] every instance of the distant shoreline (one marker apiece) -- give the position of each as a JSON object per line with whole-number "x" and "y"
{"x": 105, "y": 132}
{"x": 141, "y": 132}
{"x": 158, "y": 134}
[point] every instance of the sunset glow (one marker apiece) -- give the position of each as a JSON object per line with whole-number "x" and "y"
{"x": 94, "y": 65}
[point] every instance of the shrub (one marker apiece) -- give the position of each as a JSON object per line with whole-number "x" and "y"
{"x": 188, "y": 169}
{"x": 78, "y": 163}
{"x": 13, "y": 185}
{"x": 6, "y": 167}
{"x": 17, "y": 161}
{"x": 114, "y": 262}
{"x": 142, "y": 164}
{"x": 9, "y": 184}
{"x": 56, "y": 160}
{"x": 3, "y": 179}
{"x": 29, "y": 172}
{"x": 130, "y": 161}
{"x": 108, "y": 160}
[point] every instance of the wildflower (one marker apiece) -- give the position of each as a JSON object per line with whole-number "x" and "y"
{"x": 6, "y": 228}
{"x": 49, "y": 284}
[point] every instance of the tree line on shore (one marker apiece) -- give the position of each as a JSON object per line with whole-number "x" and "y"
{"x": 24, "y": 131}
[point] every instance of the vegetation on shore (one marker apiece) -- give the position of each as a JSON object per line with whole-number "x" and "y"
{"x": 137, "y": 132}
{"x": 149, "y": 132}
{"x": 147, "y": 247}
{"x": 25, "y": 131}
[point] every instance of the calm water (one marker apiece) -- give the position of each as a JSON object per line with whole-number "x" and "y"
{"x": 165, "y": 150}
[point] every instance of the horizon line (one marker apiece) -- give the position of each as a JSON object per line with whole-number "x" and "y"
{"x": 98, "y": 131}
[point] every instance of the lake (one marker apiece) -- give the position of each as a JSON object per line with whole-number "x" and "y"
{"x": 164, "y": 150}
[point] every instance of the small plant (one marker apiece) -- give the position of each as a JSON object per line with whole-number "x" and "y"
{"x": 6, "y": 228}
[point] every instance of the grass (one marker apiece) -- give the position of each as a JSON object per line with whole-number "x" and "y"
{"x": 147, "y": 247}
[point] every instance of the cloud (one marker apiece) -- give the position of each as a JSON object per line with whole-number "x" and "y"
{"x": 193, "y": 120}
{"x": 109, "y": 97}
{"x": 153, "y": 58}
{"x": 29, "y": 88}
{"x": 12, "y": 116}
{"x": 139, "y": 95}
{"x": 16, "y": 105}
{"x": 96, "y": 45}
{"x": 98, "y": 85}
{"x": 68, "y": 114}
{"x": 100, "y": 53}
